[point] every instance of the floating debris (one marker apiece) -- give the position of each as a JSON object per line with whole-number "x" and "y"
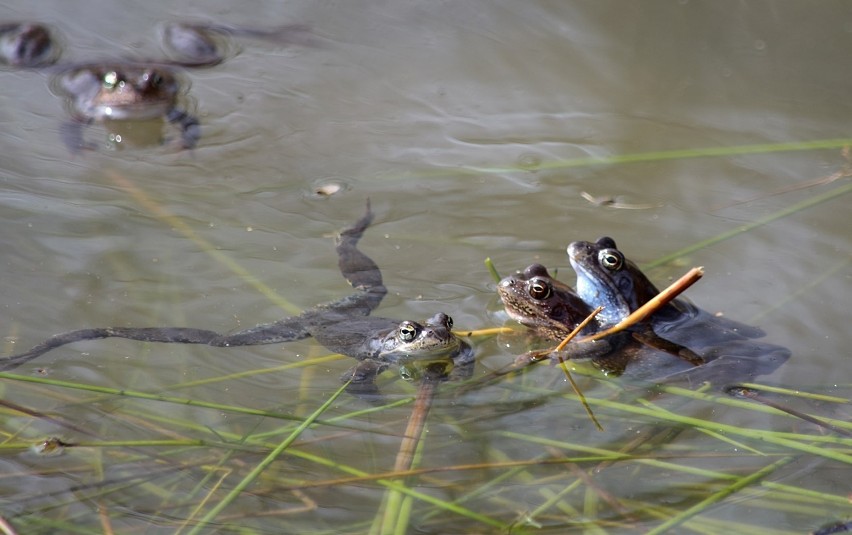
{"x": 614, "y": 202}
{"x": 50, "y": 447}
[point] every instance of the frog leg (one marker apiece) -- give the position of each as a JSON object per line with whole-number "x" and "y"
{"x": 356, "y": 267}
{"x": 463, "y": 364}
{"x": 286, "y": 330}
{"x": 611, "y": 355}
{"x": 653, "y": 340}
{"x": 588, "y": 350}
{"x": 190, "y": 129}
{"x": 179, "y": 335}
{"x": 362, "y": 377}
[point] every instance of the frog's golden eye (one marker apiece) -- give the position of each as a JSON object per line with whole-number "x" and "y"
{"x": 539, "y": 289}
{"x": 408, "y": 331}
{"x": 611, "y": 259}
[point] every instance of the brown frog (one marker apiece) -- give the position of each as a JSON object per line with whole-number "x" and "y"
{"x": 125, "y": 91}
{"x": 549, "y": 307}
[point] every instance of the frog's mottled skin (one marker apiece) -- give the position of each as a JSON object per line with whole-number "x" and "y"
{"x": 342, "y": 326}
{"x": 535, "y": 299}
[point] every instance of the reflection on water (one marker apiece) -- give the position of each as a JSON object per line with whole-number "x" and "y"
{"x": 470, "y": 128}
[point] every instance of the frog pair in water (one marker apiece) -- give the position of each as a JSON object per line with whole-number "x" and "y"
{"x": 129, "y": 90}
{"x": 343, "y": 326}
{"x": 678, "y": 341}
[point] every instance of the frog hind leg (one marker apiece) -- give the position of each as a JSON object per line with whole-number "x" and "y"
{"x": 285, "y": 330}
{"x": 652, "y": 340}
{"x": 179, "y": 335}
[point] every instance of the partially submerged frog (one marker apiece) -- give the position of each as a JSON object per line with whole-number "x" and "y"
{"x": 122, "y": 92}
{"x": 605, "y": 277}
{"x": 27, "y": 45}
{"x": 195, "y": 44}
{"x": 342, "y": 326}
{"x": 535, "y": 299}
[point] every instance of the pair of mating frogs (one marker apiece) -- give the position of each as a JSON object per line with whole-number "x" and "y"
{"x": 343, "y": 326}
{"x": 679, "y": 341}
{"x": 129, "y": 90}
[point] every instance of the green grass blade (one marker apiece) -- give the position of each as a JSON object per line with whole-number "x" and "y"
{"x": 798, "y": 207}
{"x": 273, "y": 455}
{"x": 719, "y": 496}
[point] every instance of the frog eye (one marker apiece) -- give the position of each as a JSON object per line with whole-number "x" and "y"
{"x": 449, "y": 322}
{"x": 539, "y": 289}
{"x": 110, "y": 80}
{"x": 408, "y": 331}
{"x": 611, "y": 259}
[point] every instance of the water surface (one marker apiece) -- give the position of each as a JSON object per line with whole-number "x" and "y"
{"x": 466, "y": 126}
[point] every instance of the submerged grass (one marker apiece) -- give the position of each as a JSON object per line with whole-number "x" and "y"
{"x": 504, "y": 470}
{"x": 293, "y": 476}
{"x": 263, "y": 465}
{"x": 638, "y": 157}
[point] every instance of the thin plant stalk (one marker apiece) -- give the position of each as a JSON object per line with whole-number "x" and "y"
{"x": 567, "y": 372}
{"x": 719, "y": 496}
{"x": 272, "y": 457}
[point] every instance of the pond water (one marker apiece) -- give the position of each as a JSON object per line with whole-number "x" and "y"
{"x": 474, "y": 128}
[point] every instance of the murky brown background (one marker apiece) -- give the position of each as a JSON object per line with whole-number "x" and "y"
{"x": 460, "y": 121}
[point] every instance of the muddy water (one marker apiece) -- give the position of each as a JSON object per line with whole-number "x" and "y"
{"x": 474, "y": 129}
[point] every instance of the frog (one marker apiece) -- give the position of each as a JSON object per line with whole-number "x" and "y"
{"x": 552, "y": 309}
{"x": 27, "y": 45}
{"x": 549, "y": 307}
{"x": 205, "y": 44}
{"x": 343, "y": 326}
{"x": 122, "y": 91}
{"x": 607, "y": 278}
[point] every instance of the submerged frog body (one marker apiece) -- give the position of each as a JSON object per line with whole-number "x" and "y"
{"x": 193, "y": 45}
{"x": 123, "y": 92}
{"x": 343, "y": 326}
{"x": 605, "y": 277}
